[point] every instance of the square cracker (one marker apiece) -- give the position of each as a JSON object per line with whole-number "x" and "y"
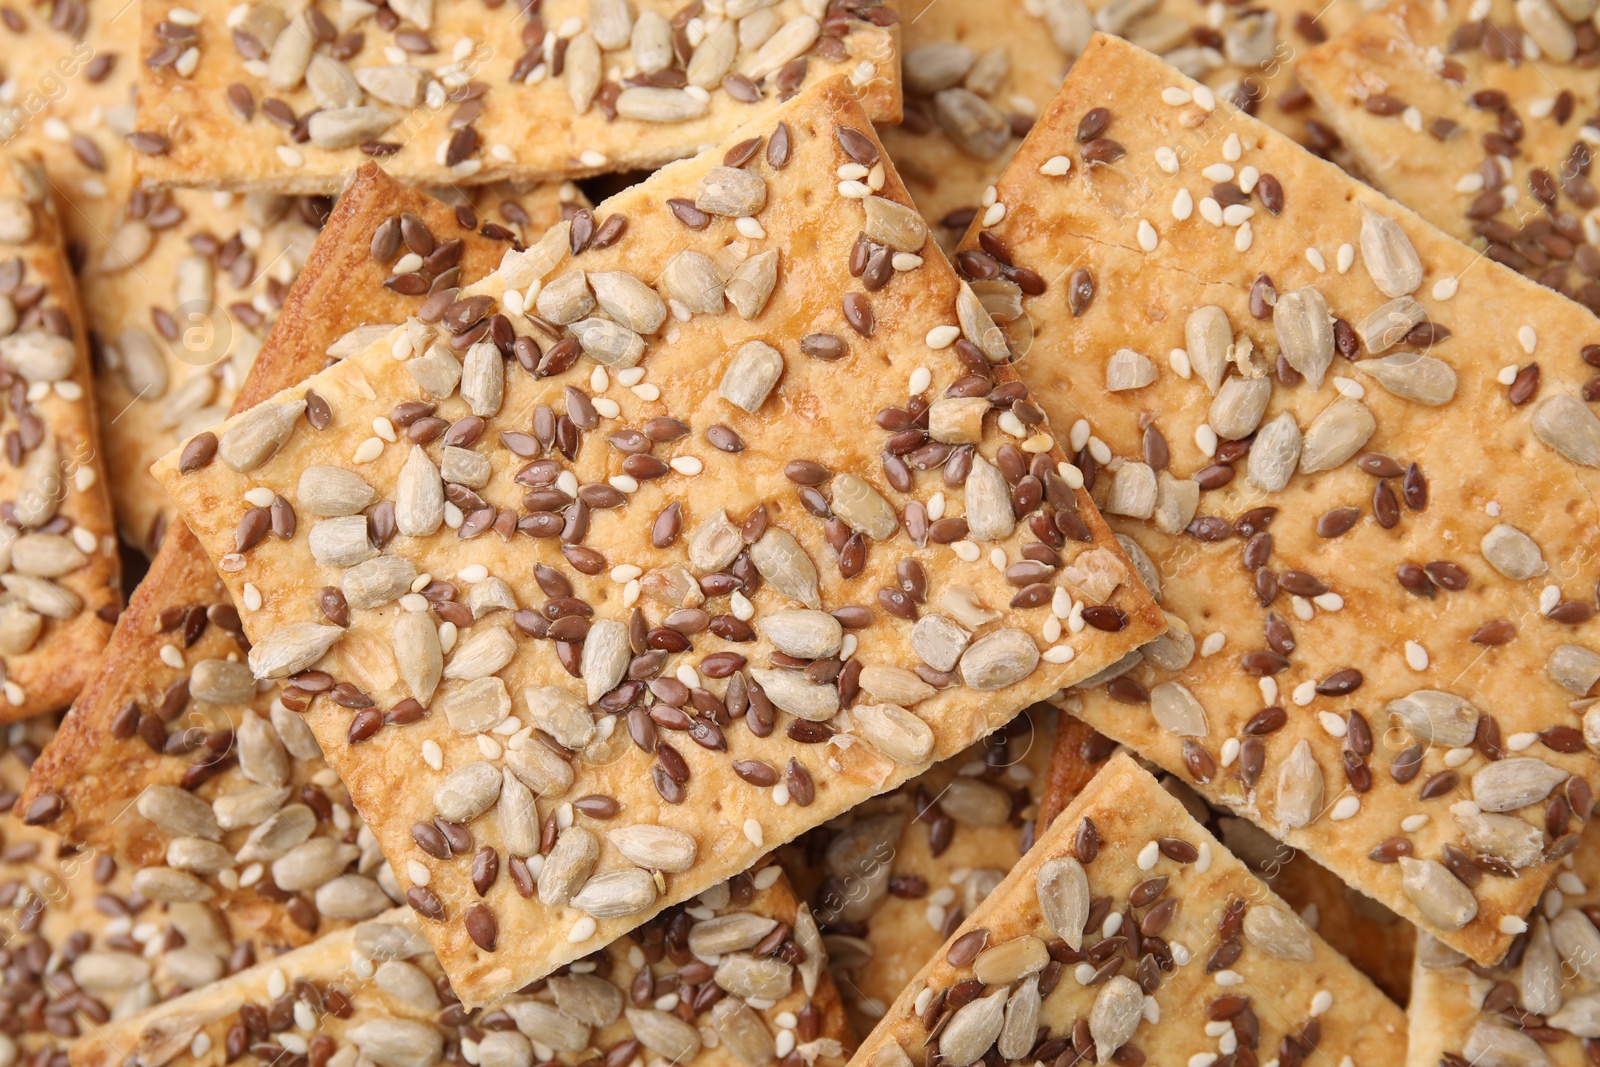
{"x": 950, "y": 833}
{"x": 375, "y": 993}
{"x": 1449, "y": 112}
{"x": 816, "y": 427}
{"x": 144, "y": 725}
{"x": 59, "y": 549}
{"x": 444, "y": 106}
{"x": 1462, "y": 1013}
{"x": 950, "y": 148}
{"x": 1043, "y": 967}
{"x": 1321, "y": 625}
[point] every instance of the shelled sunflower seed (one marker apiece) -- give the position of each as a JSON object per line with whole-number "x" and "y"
{"x": 175, "y": 698}
{"x": 1380, "y": 665}
{"x": 1127, "y": 934}
{"x": 446, "y": 97}
{"x": 1491, "y": 133}
{"x": 373, "y": 992}
{"x": 654, "y": 597}
{"x": 60, "y": 574}
{"x": 976, "y": 79}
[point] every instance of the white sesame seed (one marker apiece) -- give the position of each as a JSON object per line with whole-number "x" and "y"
{"x": 1178, "y": 360}
{"x": 1218, "y": 172}
{"x": 647, "y": 391}
{"x": 1304, "y": 693}
{"x": 936, "y": 504}
{"x": 1070, "y": 474}
{"x": 260, "y": 496}
{"x": 1328, "y": 601}
{"x": 384, "y": 428}
{"x": 432, "y": 754}
{"x": 368, "y": 450}
{"x": 997, "y": 559}
{"x": 1078, "y": 435}
{"x": 1230, "y": 751}
{"x": 904, "y": 261}
{"x": 1060, "y": 603}
{"x": 1507, "y": 375}
{"x": 688, "y": 676}
{"x": 1412, "y": 823}
{"x": 1314, "y": 258}
{"x": 1513, "y": 924}
{"x": 1568, "y": 882}
{"x": 783, "y": 1043}
{"x": 582, "y": 930}
{"x": 1211, "y": 211}
{"x": 1099, "y": 450}
{"x": 453, "y": 516}
{"x": 748, "y": 227}
{"x": 1243, "y": 237}
{"x": 625, "y": 572}
{"x": 1345, "y": 808}
{"x": 252, "y": 597}
{"x": 1205, "y": 439}
{"x": 172, "y": 656}
{"x": 935, "y": 916}
{"x": 942, "y": 336}
{"x": 599, "y": 380}
{"x": 69, "y": 390}
{"x": 1455, "y": 757}
{"x": 876, "y": 177}
{"x": 591, "y": 158}
{"x": 1059, "y": 653}
{"x": 83, "y": 479}
{"x": 752, "y": 832}
{"x": 1038, "y": 443}
{"x": 1217, "y": 1029}
{"x": 1528, "y": 339}
{"x": 1416, "y": 656}
{"x": 202, "y": 1041}
{"x": 687, "y": 465}
{"x": 472, "y": 573}
{"x": 1205, "y": 98}
{"x": 1202, "y": 863}
{"x": 854, "y": 190}
{"x": 1269, "y": 690}
{"x": 1182, "y": 205}
{"x": 850, "y": 172}
{"x": 1148, "y": 238}
{"x": 1167, "y": 159}
{"x": 418, "y": 872}
{"x": 1321, "y": 1003}
{"x": 1520, "y": 742}
{"x": 1229, "y": 978}
{"x": 414, "y": 602}
{"x": 1180, "y": 951}
{"x": 1346, "y": 258}
{"x": 277, "y": 983}
{"x": 1248, "y": 176}
{"x": 407, "y": 263}
{"x": 1056, "y": 166}
{"x": 630, "y": 376}
{"x": 84, "y": 538}
{"x": 1111, "y": 925}
{"x": 1148, "y": 855}
{"x": 1549, "y": 597}
{"x": 1175, "y": 96}
{"x": 966, "y": 551}
{"x": 607, "y": 408}
{"x": 1237, "y": 214}
{"x": 994, "y": 214}
{"x": 1335, "y": 726}
{"x": 1349, "y": 387}
{"x": 920, "y": 379}
{"x": 1084, "y": 973}
{"x": 1051, "y": 630}
{"x": 1202, "y": 1059}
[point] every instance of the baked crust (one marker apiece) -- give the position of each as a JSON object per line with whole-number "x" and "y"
{"x": 358, "y": 981}
{"x": 1022, "y": 50}
{"x": 941, "y": 849}
{"x": 1479, "y": 464}
{"x": 62, "y": 589}
{"x": 104, "y": 756}
{"x": 525, "y": 131}
{"x": 709, "y": 802}
{"x": 1288, "y": 978}
{"x": 1427, "y": 100}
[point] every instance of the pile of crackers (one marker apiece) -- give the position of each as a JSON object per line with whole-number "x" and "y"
{"x": 799, "y": 533}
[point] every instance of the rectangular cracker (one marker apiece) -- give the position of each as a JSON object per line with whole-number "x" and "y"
{"x": 1362, "y": 641}
{"x": 1491, "y": 150}
{"x": 973, "y": 69}
{"x": 816, "y": 425}
{"x": 1042, "y": 969}
{"x": 79, "y": 943}
{"x": 445, "y": 108}
{"x": 58, "y": 544}
{"x": 891, "y": 878}
{"x": 136, "y": 731}
{"x": 375, "y": 993}
{"x": 1544, "y": 989}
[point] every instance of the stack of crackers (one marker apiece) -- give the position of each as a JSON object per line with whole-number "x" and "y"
{"x": 799, "y": 533}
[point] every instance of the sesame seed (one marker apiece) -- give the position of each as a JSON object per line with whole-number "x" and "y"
{"x": 414, "y": 602}
{"x": 1269, "y": 690}
{"x": 1180, "y": 951}
{"x": 1528, "y": 339}
{"x": 1206, "y": 440}
{"x": 1248, "y": 176}
{"x": 1059, "y": 653}
{"x": 260, "y": 496}
{"x": 1243, "y": 237}
{"x": 418, "y": 872}
{"x": 1455, "y": 757}
{"x": 252, "y": 597}
{"x": 625, "y": 572}
{"x": 1211, "y": 211}
{"x": 172, "y": 656}
{"x": 1413, "y": 823}
{"x": 1513, "y": 924}
{"x": 1349, "y": 387}
{"x": 1205, "y": 98}
{"x": 472, "y": 573}
{"x": 1229, "y": 978}
{"x": 1218, "y": 172}
{"x": 854, "y": 190}
{"x": 646, "y": 391}
{"x": 1056, "y": 166}
{"x": 921, "y": 378}
{"x": 850, "y": 172}
{"x": 1328, "y": 601}
{"x": 591, "y": 158}
{"x": 1202, "y": 862}
{"x": 966, "y": 551}
{"x": 1520, "y": 742}
{"x": 1230, "y": 751}
{"x": 1304, "y": 693}
{"x": 1345, "y": 808}
{"x": 368, "y": 450}
{"x": 1346, "y": 258}
{"x": 994, "y": 214}
{"x": 1084, "y": 973}
{"x": 1416, "y": 656}
{"x": 432, "y": 754}
{"x": 1175, "y": 96}
{"x": 69, "y": 390}
{"x": 277, "y": 983}
{"x": 748, "y": 227}
{"x": 1148, "y": 238}
{"x": 582, "y": 930}
{"x": 752, "y": 832}
{"x": 384, "y": 428}
{"x": 1445, "y": 288}
{"x": 904, "y": 261}
{"x": 1314, "y": 258}
{"x": 1321, "y": 1003}
{"x": 1333, "y": 724}
{"x": 1078, "y": 436}
{"x": 1148, "y": 855}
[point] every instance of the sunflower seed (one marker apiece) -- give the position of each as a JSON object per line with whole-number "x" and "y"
{"x": 398, "y": 1042}
{"x": 1539, "y": 981}
{"x": 692, "y": 280}
{"x": 347, "y": 127}
{"x": 168, "y": 886}
{"x": 608, "y": 342}
{"x": 517, "y": 816}
{"x": 793, "y": 693}
{"x": 257, "y": 807}
{"x": 547, "y": 1026}
{"x": 291, "y": 53}
{"x": 1209, "y": 336}
{"x": 653, "y": 104}
{"x": 978, "y": 326}
{"x": 566, "y": 298}
{"x": 896, "y": 685}
{"x": 419, "y": 496}
{"x": 314, "y": 863}
{"x": 743, "y": 1033}
{"x": 729, "y": 933}
{"x": 939, "y": 641}
{"x": 1436, "y": 717}
{"x": 400, "y": 85}
{"x": 1578, "y": 942}
{"x": 1512, "y": 552}
{"x": 467, "y": 792}
{"x": 958, "y": 420}
{"x": 1549, "y": 29}
{"x": 197, "y": 856}
{"x": 605, "y": 657}
{"x": 659, "y": 848}
{"x": 751, "y": 375}
{"x": 129, "y": 244}
{"x": 1177, "y": 710}
{"x": 101, "y": 973}
{"x": 45, "y": 555}
{"x": 781, "y": 561}
{"x": 1305, "y": 332}
{"x": 331, "y": 84}
{"x": 1437, "y": 894}
{"x": 144, "y": 369}
{"x": 1413, "y": 376}
{"x": 1017, "y": 1035}
{"x": 567, "y": 867}
{"x": 417, "y": 654}
{"x": 1118, "y": 1010}
{"x": 664, "y": 1034}
{"x": 1336, "y": 434}
{"x": 973, "y": 802}
{"x": 1274, "y": 453}
{"x": 541, "y": 770}
{"x": 377, "y": 581}
{"x": 731, "y": 192}
{"x": 1388, "y": 324}
{"x": 41, "y": 596}
{"x": 587, "y": 998}
{"x": 714, "y": 544}
{"x": 935, "y": 66}
{"x": 341, "y": 542}
{"x": 1127, "y": 369}
{"x": 479, "y": 705}
{"x": 561, "y": 714}
{"x": 863, "y": 508}
{"x": 1237, "y": 408}
{"x": 972, "y": 1029}
{"x": 282, "y": 831}
{"x": 1566, "y": 424}
{"x": 39, "y": 355}
{"x": 1062, "y": 887}
{"x": 1278, "y": 932}
{"x": 988, "y": 503}
{"x": 803, "y": 633}
{"x": 1574, "y": 668}
{"x": 999, "y": 659}
{"x": 1299, "y": 799}
{"x": 481, "y": 654}
{"x": 262, "y": 758}
{"x": 614, "y": 894}
{"x": 490, "y": 595}
{"x": 1177, "y": 499}
{"x": 328, "y": 492}
{"x": 972, "y": 122}
{"x": 258, "y": 434}
{"x": 1506, "y": 837}
{"x": 895, "y": 225}
{"x": 1579, "y": 1016}
{"x": 1509, "y": 784}
{"x": 583, "y": 71}
{"x": 1386, "y": 251}
{"x": 483, "y": 379}
{"x": 713, "y": 57}
{"x": 745, "y": 976}
{"x": 409, "y": 984}
{"x": 628, "y": 300}
{"x": 463, "y": 466}
{"x": 894, "y": 731}
{"x": 751, "y": 283}
{"x": 178, "y": 812}
{"x": 792, "y": 40}
{"x": 41, "y": 486}
{"x": 1133, "y": 490}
